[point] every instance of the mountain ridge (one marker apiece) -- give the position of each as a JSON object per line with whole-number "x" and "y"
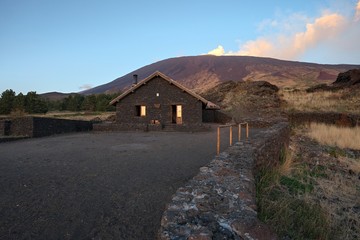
{"x": 203, "y": 72}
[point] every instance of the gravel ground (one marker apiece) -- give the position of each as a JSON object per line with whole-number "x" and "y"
{"x": 95, "y": 185}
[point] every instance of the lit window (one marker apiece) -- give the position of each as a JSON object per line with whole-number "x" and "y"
{"x": 143, "y": 111}
{"x": 178, "y": 111}
{"x": 140, "y": 111}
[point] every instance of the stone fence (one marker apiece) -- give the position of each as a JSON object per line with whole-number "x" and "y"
{"x": 39, "y": 127}
{"x": 220, "y": 202}
{"x": 110, "y": 127}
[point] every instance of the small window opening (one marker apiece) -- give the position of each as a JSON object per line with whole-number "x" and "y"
{"x": 140, "y": 111}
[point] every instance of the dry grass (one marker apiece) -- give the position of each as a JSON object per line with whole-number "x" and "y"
{"x": 341, "y": 137}
{"x": 287, "y": 166}
{"x": 344, "y": 101}
{"x": 85, "y": 116}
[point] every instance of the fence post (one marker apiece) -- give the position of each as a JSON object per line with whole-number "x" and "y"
{"x": 239, "y": 132}
{"x": 230, "y": 135}
{"x": 218, "y": 142}
{"x": 247, "y": 131}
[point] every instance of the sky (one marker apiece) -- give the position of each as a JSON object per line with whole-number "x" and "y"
{"x": 69, "y": 46}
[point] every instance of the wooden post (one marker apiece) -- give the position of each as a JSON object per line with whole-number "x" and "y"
{"x": 247, "y": 131}
{"x": 230, "y": 135}
{"x": 239, "y": 132}
{"x": 218, "y": 142}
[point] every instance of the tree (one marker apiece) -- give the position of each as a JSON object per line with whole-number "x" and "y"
{"x": 102, "y": 103}
{"x": 19, "y": 103}
{"x": 73, "y": 103}
{"x": 7, "y": 101}
{"x": 34, "y": 103}
{"x": 89, "y": 103}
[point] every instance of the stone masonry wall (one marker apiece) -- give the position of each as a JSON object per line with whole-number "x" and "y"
{"x": 2, "y": 127}
{"x": 220, "y": 202}
{"x": 50, "y": 126}
{"x": 108, "y": 127}
{"x": 39, "y": 127}
{"x": 22, "y": 127}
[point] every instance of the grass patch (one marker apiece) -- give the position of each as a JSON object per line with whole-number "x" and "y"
{"x": 342, "y": 137}
{"x": 279, "y": 206}
{"x": 295, "y": 186}
{"x": 339, "y": 101}
{"x": 294, "y": 218}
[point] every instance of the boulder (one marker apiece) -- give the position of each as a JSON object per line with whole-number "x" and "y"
{"x": 348, "y": 79}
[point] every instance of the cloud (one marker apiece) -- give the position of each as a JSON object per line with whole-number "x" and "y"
{"x": 217, "y": 51}
{"x": 259, "y": 47}
{"x": 328, "y": 29}
{"x": 85, "y": 87}
{"x": 357, "y": 12}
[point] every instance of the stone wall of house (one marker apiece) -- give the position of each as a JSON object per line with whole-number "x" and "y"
{"x": 340, "y": 119}
{"x": 219, "y": 203}
{"x": 39, "y": 127}
{"x": 158, "y": 107}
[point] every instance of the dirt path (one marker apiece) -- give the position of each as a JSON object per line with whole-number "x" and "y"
{"x": 95, "y": 185}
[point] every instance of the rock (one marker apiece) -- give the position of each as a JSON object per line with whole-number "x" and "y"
{"x": 348, "y": 79}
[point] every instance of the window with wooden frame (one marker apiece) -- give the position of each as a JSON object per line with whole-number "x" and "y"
{"x": 140, "y": 110}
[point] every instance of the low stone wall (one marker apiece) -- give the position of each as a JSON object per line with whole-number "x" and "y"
{"x": 110, "y": 127}
{"x": 39, "y": 127}
{"x": 150, "y": 127}
{"x": 22, "y": 127}
{"x": 220, "y": 202}
{"x": 340, "y": 119}
{"x": 4, "y": 127}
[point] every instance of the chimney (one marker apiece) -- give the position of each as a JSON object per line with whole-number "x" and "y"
{"x": 135, "y": 76}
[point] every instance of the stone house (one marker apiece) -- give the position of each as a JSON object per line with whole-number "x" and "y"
{"x": 159, "y": 102}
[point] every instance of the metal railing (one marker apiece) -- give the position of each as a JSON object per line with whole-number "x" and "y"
{"x": 230, "y": 126}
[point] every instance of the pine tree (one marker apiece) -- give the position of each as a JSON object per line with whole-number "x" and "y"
{"x": 7, "y": 101}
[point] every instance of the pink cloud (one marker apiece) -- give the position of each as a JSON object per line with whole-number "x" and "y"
{"x": 328, "y": 29}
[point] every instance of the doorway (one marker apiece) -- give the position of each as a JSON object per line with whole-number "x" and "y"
{"x": 176, "y": 115}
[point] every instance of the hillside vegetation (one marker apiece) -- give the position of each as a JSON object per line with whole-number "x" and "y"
{"x": 343, "y": 101}
{"x": 342, "y": 96}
